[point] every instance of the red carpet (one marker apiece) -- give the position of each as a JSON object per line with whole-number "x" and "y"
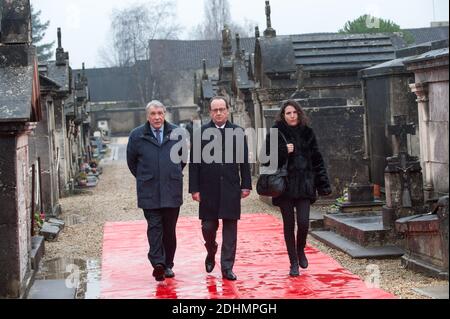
{"x": 262, "y": 267}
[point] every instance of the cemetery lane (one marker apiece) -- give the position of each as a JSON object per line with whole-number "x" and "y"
{"x": 114, "y": 200}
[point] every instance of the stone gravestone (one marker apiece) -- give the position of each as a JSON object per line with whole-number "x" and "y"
{"x": 360, "y": 198}
{"x": 403, "y": 177}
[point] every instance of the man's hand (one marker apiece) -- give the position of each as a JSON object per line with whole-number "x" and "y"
{"x": 245, "y": 193}
{"x": 196, "y": 197}
{"x": 290, "y": 148}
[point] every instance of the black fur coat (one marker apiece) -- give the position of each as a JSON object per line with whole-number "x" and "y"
{"x": 307, "y": 173}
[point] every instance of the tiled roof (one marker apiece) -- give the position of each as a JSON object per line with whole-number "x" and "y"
{"x": 423, "y": 35}
{"x": 111, "y": 84}
{"x": 344, "y": 51}
{"x": 171, "y": 55}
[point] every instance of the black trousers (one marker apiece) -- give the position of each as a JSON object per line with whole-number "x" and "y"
{"x": 229, "y": 242}
{"x": 290, "y": 209}
{"x": 161, "y": 234}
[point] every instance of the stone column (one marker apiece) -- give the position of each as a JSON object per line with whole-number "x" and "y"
{"x": 421, "y": 90}
{"x": 15, "y": 214}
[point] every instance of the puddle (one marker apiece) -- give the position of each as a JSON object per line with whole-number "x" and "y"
{"x": 85, "y": 275}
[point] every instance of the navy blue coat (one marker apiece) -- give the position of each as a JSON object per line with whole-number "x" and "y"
{"x": 220, "y": 184}
{"x": 159, "y": 180}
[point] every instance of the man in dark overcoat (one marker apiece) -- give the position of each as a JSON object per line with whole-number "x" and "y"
{"x": 159, "y": 186}
{"x": 220, "y": 183}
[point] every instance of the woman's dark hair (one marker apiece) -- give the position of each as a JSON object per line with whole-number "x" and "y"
{"x": 303, "y": 118}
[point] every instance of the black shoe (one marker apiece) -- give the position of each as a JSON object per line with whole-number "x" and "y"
{"x": 302, "y": 260}
{"x": 169, "y": 273}
{"x": 209, "y": 265}
{"x": 294, "y": 271}
{"x": 210, "y": 262}
{"x": 158, "y": 273}
{"x": 229, "y": 274}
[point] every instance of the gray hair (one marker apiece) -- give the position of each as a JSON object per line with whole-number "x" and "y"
{"x": 156, "y": 104}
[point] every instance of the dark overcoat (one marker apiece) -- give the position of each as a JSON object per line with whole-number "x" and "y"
{"x": 220, "y": 183}
{"x": 159, "y": 180}
{"x": 307, "y": 171}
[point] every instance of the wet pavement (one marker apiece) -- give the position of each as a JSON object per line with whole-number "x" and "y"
{"x": 83, "y": 275}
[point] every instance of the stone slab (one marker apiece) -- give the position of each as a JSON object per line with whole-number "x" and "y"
{"x": 437, "y": 292}
{"x": 37, "y": 251}
{"x": 365, "y": 229}
{"x": 354, "y": 250}
{"x": 50, "y": 232}
{"x": 316, "y": 219}
{"x": 51, "y": 289}
{"x": 424, "y": 267}
{"x": 57, "y": 222}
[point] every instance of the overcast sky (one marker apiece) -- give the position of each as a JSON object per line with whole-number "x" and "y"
{"x": 85, "y": 23}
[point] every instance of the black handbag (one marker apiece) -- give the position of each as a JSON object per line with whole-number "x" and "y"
{"x": 273, "y": 185}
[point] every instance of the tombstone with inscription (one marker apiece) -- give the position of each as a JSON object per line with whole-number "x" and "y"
{"x": 19, "y": 111}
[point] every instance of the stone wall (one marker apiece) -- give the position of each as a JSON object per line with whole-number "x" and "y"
{"x": 340, "y": 134}
{"x": 432, "y": 90}
{"x": 15, "y": 215}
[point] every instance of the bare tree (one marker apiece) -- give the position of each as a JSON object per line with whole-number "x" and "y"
{"x": 133, "y": 27}
{"x": 128, "y": 46}
{"x": 216, "y": 16}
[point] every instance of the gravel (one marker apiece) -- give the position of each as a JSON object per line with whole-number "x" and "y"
{"x": 114, "y": 199}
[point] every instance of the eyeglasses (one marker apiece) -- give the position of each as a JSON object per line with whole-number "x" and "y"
{"x": 216, "y": 111}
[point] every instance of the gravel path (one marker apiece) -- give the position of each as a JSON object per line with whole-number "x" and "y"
{"x": 114, "y": 199}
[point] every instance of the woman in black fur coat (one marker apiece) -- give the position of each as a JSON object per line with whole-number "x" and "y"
{"x": 307, "y": 178}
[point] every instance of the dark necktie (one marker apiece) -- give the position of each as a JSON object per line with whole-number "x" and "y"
{"x": 158, "y": 136}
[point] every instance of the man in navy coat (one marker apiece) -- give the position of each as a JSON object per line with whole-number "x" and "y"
{"x": 159, "y": 186}
{"x": 220, "y": 185}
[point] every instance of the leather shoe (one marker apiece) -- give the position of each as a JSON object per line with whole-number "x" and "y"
{"x": 169, "y": 273}
{"x": 158, "y": 273}
{"x": 294, "y": 271}
{"x": 210, "y": 262}
{"x": 209, "y": 265}
{"x": 229, "y": 274}
{"x": 302, "y": 260}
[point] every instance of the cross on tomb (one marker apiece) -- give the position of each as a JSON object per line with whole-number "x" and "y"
{"x": 401, "y": 130}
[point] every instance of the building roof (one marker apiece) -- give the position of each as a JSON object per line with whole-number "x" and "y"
{"x": 60, "y": 74}
{"x": 172, "y": 55}
{"x": 422, "y": 51}
{"x": 111, "y": 84}
{"x": 423, "y": 35}
{"x": 329, "y": 52}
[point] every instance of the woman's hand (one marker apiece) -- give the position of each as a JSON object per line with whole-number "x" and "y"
{"x": 291, "y": 148}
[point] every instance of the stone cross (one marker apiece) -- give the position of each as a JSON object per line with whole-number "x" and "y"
{"x": 226, "y": 42}
{"x": 61, "y": 56}
{"x": 269, "y": 32}
{"x": 404, "y": 166}
{"x": 205, "y": 74}
{"x": 257, "y": 33}
{"x": 238, "y": 46}
{"x": 268, "y": 13}
{"x": 401, "y": 130}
